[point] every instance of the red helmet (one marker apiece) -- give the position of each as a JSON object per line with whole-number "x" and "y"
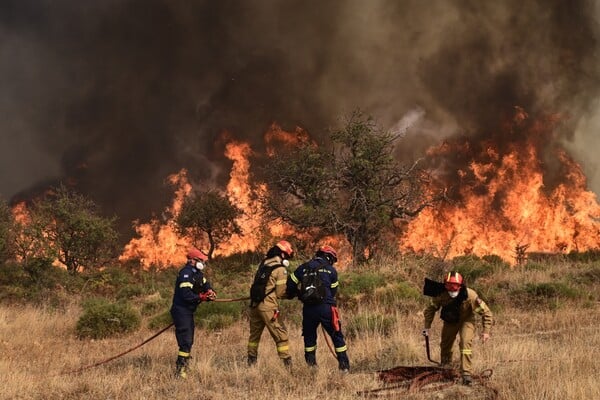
{"x": 195, "y": 254}
{"x": 286, "y": 247}
{"x": 328, "y": 250}
{"x": 453, "y": 277}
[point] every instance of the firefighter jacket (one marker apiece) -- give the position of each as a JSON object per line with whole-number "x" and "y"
{"x": 327, "y": 273}
{"x": 467, "y": 306}
{"x": 189, "y": 284}
{"x": 277, "y": 282}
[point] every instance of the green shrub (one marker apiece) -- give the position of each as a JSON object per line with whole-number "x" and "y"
{"x": 584, "y": 257}
{"x": 107, "y": 282}
{"x": 154, "y": 305}
{"x": 589, "y": 276}
{"x": 131, "y": 291}
{"x": 12, "y": 274}
{"x": 361, "y": 282}
{"x": 211, "y": 316}
{"x": 236, "y": 263}
{"x": 12, "y": 293}
{"x": 367, "y": 323}
{"x": 218, "y": 315}
{"x": 217, "y": 322}
{"x": 495, "y": 260}
{"x": 101, "y": 319}
{"x": 396, "y": 295}
{"x": 536, "y": 266}
{"x": 43, "y": 274}
{"x": 472, "y": 267}
{"x": 161, "y": 320}
{"x": 551, "y": 290}
{"x": 549, "y": 295}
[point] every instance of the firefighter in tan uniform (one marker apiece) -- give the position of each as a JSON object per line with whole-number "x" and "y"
{"x": 268, "y": 287}
{"x": 459, "y": 307}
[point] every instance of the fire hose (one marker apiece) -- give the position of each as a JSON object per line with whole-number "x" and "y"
{"x": 142, "y": 343}
{"x": 415, "y": 378}
{"x": 328, "y": 341}
{"x": 120, "y": 354}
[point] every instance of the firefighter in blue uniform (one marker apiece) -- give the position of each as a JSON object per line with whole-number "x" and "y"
{"x": 191, "y": 288}
{"x": 325, "y": 312}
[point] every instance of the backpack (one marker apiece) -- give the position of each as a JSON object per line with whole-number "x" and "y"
{"x": 259, "y": 286}
{"x": 312, "y": 289}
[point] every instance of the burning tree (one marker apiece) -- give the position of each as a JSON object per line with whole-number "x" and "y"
{"x": 355, "y": 188}
{"x": 208, "y": 214}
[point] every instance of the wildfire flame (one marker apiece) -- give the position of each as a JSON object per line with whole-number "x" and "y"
{"x": 505, "y": 205}
{"x": 502, "y": 204}
{"x": 158, "y": 243}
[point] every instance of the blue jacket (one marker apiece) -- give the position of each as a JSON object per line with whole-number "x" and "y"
{"x": 189, "y": 284}
{"x": 327, "y": 273}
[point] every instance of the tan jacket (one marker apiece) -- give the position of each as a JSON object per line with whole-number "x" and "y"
{"x": 277, "y": 280}
{"x": 471, "y": 306}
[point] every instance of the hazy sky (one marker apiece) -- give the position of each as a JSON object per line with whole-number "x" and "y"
{"x": 115, "y": 95}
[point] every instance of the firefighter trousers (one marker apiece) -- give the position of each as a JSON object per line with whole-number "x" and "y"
{"x": 264, "y": 318}
{"x": 466, "y": 332}
{"x": 322, "y": 314}
{"x": 184, "y": 328}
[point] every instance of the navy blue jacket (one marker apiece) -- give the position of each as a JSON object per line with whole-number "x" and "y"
{"x": 189, "y": 284}
{"x": 327, "y": 273}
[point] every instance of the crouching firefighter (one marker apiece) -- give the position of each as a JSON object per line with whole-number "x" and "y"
{"x": 191, "y": 289}
{"x": 315, "y": 283}
{"x": 266, "y": 290}
{"x": 459, "y": 307}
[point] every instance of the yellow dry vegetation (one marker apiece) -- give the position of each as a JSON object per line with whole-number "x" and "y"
{"x": 537, "y": 353}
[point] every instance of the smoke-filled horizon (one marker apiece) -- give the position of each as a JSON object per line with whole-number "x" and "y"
{"x": 114, "y": 96}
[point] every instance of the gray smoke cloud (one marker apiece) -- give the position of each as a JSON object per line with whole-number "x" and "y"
{"x": 114, "y": 96}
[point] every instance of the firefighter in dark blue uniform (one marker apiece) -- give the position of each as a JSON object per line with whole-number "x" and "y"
{"x": 325, "y": 312}
{"x": 191, "y": 288}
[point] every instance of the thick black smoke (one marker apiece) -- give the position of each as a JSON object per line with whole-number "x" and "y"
{"x": 114, "y": 96}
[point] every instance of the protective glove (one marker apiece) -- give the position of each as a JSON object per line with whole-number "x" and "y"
{"x": 485, "y": 337}
{"x": 425, "y": 332}
{"x": 209, "y": 295}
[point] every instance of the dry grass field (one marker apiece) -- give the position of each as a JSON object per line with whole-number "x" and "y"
{"x": 543, "y": 353}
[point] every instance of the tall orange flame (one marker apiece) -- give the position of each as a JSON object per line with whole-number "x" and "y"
{"x": 158, "y": 243}
{"x": 514, "y": 210}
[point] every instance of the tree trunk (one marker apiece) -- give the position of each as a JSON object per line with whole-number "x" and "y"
{"x": 212, "y": 246}
{"x": 359, "y": 243}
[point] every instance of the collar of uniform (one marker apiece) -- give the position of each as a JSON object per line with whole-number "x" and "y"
{"x": 273, "y": 261}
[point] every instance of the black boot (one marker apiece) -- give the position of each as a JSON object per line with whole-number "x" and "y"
{"x": 181, "y": 367}
{"x": 287, "y": 362}
{"x": 343, "y": 362}
{"x": 311, "y": 358}
{"x": 252, "y": 360}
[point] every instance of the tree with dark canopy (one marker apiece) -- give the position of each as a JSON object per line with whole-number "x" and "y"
{"x": 209, "y": 214}
{"x": 69, "y": 228}
{"x": 353, "y": 187}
